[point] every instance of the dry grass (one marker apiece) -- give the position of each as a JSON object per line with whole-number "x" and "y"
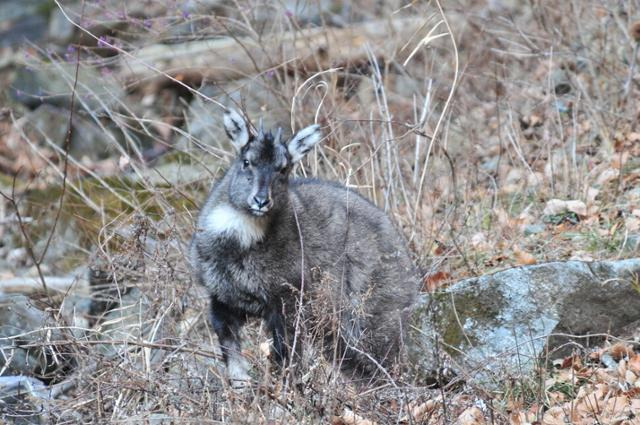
{"x": 463, "y": 157}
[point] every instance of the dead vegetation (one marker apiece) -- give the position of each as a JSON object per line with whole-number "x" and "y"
{"x": 496, "y": 133}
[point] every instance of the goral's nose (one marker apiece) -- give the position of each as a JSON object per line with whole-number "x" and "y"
{"x": 261, "y": 202}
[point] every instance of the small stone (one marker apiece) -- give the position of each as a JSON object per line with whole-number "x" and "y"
{"x": 555, "y": 206}
{"x": 562, "y": 106}
{"x": 632, "y": 243}
{"x": 34, "y": 272}
{"x": 534, "y": 229}
{"x": 559, "y": 206}
{"x": 634, "y": 195}
{"x": 608, "y": 361}
{"x": 490, "y": 164}
{"x": 577, "y": 207}
{"x": 17, "y": 256}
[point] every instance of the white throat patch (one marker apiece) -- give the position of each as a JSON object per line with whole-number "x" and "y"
{"x": 224, "y": 219}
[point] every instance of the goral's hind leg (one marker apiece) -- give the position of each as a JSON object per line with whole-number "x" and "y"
{"x": 227, "y": 323}
{"x": 275, "y": 323}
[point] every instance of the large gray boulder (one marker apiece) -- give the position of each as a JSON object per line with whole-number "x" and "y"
{"x": 22, "y": 20}
{"x": 49, "y": 124}
{"x": 504, "y": 324}
{"x": 25, "y": 335}
{"x": 52, "y": 83}
{"x": 22, "y": 400}
{"x": 257, "y": 96}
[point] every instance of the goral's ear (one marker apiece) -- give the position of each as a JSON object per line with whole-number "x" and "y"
{"x": 303, "y": 141}
{"x": 236, "y": 127}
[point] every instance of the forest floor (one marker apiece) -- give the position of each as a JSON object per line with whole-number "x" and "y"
{"x": 495, "y": 133}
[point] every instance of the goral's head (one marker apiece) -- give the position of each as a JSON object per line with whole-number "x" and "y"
{"x": 263, "y": 163}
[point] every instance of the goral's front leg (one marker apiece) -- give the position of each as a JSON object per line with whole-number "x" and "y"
{"x": 227, "y": 323}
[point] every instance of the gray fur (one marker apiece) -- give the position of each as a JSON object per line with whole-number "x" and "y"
{"x": 253, "y": 259}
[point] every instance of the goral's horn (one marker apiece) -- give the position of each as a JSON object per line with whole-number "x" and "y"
{"x": 260, "y": 129}
{"x": 278, "y": 135}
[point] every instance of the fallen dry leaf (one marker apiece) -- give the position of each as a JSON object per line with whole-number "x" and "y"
{"x": 556, "y": 397}
{"x": 589, "y": 405}
{"x": 435, "y": 280}
{"x": 597, "y": 355}
{"x": 471, "y": 416}
{"x": 419, "y": 412}
{"x": 574, "y": 362}
{"x": 634, "y": 396}
{"x": 602, "y": 375}
{"x": 557, "y": 415}
{"x": 630, "y": 377}
{"x": 521, "y": 418}
{"x": 616, "y": 405}
{"x": 634, "y": 364}
{"x": 440, "y": 248}
{"x": 620, "y": 160}
{"x": 606, "y": 176}
{"x": 620, "y": 350}
{"x": 622, "y": 368}
{"x": 494, "y": 261}
{"x": 349, "y": 417}
{"x": 581, "y": 256}
{"x": 523, "y": 257}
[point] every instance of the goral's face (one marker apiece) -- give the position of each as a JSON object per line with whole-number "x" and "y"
{"x": 261, "y": 175}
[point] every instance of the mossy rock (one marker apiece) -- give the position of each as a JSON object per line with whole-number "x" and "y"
{"x": 91, "y": 203}
{"x": 507, "y": 323}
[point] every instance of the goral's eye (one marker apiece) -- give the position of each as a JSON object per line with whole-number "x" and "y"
{"x": 283, "y": 170}
{"x": 245, "y": 163}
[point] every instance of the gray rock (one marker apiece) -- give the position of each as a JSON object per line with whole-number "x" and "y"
{"x": 22, "y": 20}
{"x": 634, "y": 195}
{"x": 177, "y": 174}
{"x": 52, "y": 84}
{"x": 22, "y": 399}
{"x": 259, "y": 98}
{"x": 49, "y": 123}
{"x": 632, "y": 244}
{"x": 18, "y": 256}
{"x": 504, "y": 324}
{"x": 60, "y": 29}
{"x": 22, "y": 337}
{"x": 312, "y": 11}
{"x": 203, "y": 126}
{"x": 131, "y": 321}
{"x": 490, "y": 164}
{"x": 533, "y": 229}
{"x": 13, "y": 10}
